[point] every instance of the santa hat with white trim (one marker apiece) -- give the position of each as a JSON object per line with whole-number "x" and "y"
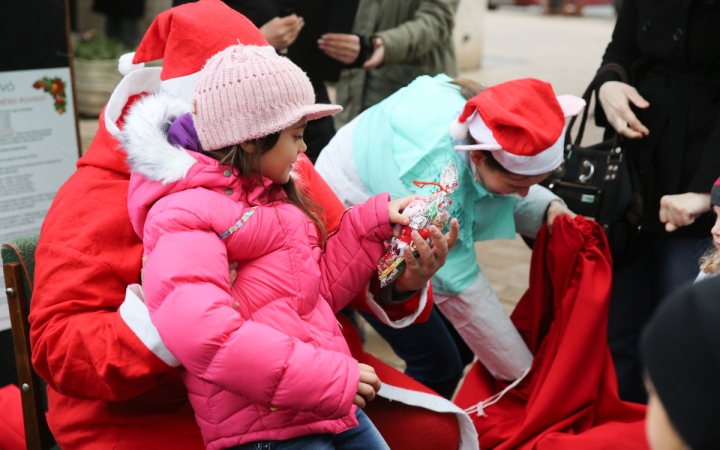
{"x": 521, "y": 122}
{"x": 185, "y": 37}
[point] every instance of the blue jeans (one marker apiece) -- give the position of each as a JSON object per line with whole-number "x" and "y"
{"x": 433, "y": 350}
{"x": 663, "y": 264}
{"x": 363, "y": 437}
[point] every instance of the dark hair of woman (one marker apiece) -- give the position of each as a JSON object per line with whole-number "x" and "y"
{"x": 242, "y": 164}
{"x": 468, "y": 88}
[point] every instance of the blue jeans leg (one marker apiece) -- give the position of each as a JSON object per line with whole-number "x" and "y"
{"x": 363, "y": 437}
{"x": 434, "y": 352}
{"x": 311, "y": 441}
{"x": 663, "y": 264}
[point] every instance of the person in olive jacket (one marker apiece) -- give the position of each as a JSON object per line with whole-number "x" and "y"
{"x": 669, "y": 117}
{"x": 407, "y": 39}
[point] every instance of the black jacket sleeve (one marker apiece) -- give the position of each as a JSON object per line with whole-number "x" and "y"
{"x": 623, "y": 50}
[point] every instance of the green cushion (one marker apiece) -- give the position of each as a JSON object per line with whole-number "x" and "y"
{"x": 23, "y": 251}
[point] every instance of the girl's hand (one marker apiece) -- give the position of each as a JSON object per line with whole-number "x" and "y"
{"x": 367, "y": 387}
{"x": 418, "y": 271}
{"x": 281, "y": 32}
{"x": 680, "y": 210}
{"x": 555, "y": 209}
{"x": 396, "y": 208}
{"x": 615, "y": 98}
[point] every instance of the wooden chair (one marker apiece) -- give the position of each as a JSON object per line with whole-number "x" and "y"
{"x": 19, "y": 268}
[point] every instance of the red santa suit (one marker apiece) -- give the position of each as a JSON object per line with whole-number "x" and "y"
{"x": 111, "y": 381}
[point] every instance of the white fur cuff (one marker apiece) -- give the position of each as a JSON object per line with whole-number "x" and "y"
{"x": 135, "y": 314}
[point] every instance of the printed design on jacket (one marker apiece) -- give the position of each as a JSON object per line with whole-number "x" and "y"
{"x": 239, "y": 223}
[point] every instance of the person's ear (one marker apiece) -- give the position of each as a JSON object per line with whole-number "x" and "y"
{"x": 477, "y": 157}
{"x": 248, "y": 147}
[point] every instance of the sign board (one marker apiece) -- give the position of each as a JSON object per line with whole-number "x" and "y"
{"x": 38, "y": 125}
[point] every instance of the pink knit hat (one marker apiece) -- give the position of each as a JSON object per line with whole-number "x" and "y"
{"x": 247, "y": 92}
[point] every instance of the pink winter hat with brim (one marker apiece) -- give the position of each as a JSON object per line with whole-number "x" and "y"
{"x": 247, "y": 92}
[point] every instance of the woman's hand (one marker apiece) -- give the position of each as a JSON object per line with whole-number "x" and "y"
{"x": 418, "y": 271}
{"x": 378, "y": 54}
{"x": 557, "y": 208}
{"x": 680, "y": 210}
{"x": 342, "y": 47}
{"x": 615, "y": 98}
{"x": 367, "y": 387}
{"x": 281, "y": 32}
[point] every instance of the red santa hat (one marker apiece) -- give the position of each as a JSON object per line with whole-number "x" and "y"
{"x": 521, "y": 122}
{"x": 185, "y": 37}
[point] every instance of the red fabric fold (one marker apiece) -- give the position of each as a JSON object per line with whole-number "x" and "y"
{"x": 569, "y": 399}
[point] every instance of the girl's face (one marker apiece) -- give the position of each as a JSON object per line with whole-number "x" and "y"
{"x": 661, "y": 433}
{"x": 277, "y": 162}
{"x": 499, "y": 183}
{"x": 716, "y": 228}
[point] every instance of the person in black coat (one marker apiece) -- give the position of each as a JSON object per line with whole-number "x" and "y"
{"x": 669, "y": 116}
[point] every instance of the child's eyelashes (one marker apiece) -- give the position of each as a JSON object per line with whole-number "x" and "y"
{"x": 299, "y": 138}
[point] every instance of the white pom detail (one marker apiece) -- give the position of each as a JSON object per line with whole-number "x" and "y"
{"x": 125, "y": 64}
{"x": 459, "y": 131}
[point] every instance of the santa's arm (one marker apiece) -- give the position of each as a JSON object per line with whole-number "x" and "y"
{"x": 93, "y": 338}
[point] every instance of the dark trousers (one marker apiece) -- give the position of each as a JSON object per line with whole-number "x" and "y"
{"x": 662, "y": 265}
{"x": 434, "y": 352}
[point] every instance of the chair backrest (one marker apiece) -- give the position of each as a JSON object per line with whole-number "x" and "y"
{"x": 19, "y": 269}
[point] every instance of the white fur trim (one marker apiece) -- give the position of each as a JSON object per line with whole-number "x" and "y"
{"x": 570, "y": 104}
{"x": 468, "y": 434}
{"x": 458, "y": 131}
{"x": 405, "y": 321}
{"x": 125, "y": 64}
{"x": 145, "y": 141}
{"x": 541, "y": 163}
{"x": 181, "y": 87}
{"x": 137, "y": 82}
{"x": 134, "y": 313}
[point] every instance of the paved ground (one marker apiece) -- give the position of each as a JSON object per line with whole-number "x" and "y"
{"x": 519, "y": 42}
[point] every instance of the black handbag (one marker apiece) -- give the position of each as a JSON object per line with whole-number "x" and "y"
{"x": 600, "y": 182}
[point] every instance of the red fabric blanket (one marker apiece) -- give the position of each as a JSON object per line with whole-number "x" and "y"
{"x": 569, "y": 398}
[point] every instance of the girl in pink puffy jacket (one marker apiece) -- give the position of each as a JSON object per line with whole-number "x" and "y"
{"x": 265, "y": 363}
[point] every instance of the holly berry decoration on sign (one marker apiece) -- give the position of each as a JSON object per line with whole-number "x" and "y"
{"x": 56, "y": 88}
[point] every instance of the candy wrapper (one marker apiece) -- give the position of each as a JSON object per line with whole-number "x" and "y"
{"x": 423, "y": 212}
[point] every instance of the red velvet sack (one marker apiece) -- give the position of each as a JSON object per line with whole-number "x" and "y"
{"x": 569, "y": 398}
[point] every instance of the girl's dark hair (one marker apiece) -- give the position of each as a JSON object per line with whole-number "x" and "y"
{"x": 242, "y": 164}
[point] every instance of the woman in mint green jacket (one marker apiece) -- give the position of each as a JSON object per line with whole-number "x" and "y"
{"x": 407, "y": 137}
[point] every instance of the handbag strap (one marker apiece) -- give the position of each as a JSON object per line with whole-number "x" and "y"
{"x": 587, "y": 96}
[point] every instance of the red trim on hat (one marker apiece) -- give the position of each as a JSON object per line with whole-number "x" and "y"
{"x": 188, "y": 35}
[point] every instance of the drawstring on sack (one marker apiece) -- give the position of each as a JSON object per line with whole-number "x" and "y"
{"x": 480, "y": 407}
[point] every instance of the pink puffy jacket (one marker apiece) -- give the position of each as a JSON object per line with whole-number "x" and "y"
{"x": 278, "y": 366}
